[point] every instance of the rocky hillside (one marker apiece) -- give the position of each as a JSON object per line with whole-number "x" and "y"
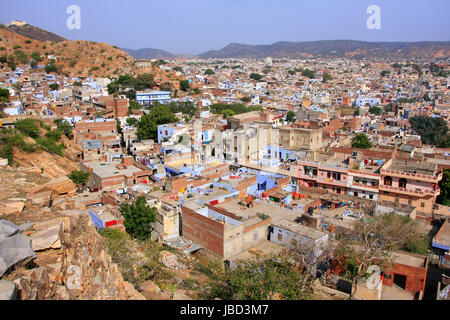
{"x": 77, "y": 58}
{"x": 334, "y": 48}
{"x": 35, "y": 33}
{"x": 74, "y": 58}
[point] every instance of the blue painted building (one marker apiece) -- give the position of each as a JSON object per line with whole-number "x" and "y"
{"x": 148, "y": 97}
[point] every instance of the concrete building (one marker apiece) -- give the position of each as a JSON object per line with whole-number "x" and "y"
{"x": 410, "y": 182}
{"x": 148, "y": 97}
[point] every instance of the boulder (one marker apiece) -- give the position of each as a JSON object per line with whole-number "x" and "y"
{"x": 150, "y": 290}
{"x": 42, "y": 198}
{"x": 150, "y": 286}
{"x": 3, "y": 162}
{"x": 180, "y": 296}
{"x": 53, "y": 224}
{"x": 132, "y": 293}
{"x": 46, "y": 239}
{"x": 8, "y": 290}
{"x": 11, "y": 207}
{"x": 14, "y": 249}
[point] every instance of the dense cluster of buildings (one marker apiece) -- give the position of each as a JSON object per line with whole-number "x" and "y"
{"x": 254, "y": 183}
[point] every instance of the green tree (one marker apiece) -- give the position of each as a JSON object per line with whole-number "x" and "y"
{"x": 444, "y": 185}
{"x": 432, "y": 130}
{"x": 51, "y": 67}
{"x": 158, "y": 115}
{"x": 356, "y": 113}
{"x": 138, "y": 218}
{"x": 53, "y": 86}
{"x": 227, "y": 113}
{"x": 184, "y": 85}
{"x": 262, "y": 279}
{"x": 290, "y": 116}
{"x": 12, "y": 64}
{"x": 308, "y": 73}
{"x": 209, "y": 72}
{"x": 132, "y": 121}
{"x": 326, "y": 77}
{"x": 35, "y": 55}
{"x": 291, "y": 72}
{"x": 426, "y": 97}
{"x": 28, "y": 127}
{"x": 4, "y": 95}
{"x": 375, "y": 110}
{"x": 373, "y": 241}
{"x": 245, "y": 99}
{"x": 361, "y": 141}
{"x": 255, "y": 76}
{"x": 80, "y": 178}
{"x": 65, "y": 127}
{"x": 177, "y": 68}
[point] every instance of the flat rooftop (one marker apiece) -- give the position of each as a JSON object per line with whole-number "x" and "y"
{"x": 109, "y": 169}
{"x": 413, "y": 167}
{"x": 259, "y": 207}
{"x": 409, "y": 260}
{"x": 264, "y": 248}
{"x": 300, "y": 229}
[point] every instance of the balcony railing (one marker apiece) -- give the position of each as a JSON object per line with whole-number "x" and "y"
{"x": 410, "y": 191}
{"x": 413, "y": 175}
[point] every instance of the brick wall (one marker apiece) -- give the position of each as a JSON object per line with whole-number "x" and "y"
{"x": 415, "y": 277}
{"x": 204, "y": 231}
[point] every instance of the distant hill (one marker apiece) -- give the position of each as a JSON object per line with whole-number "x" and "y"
{"x": 148, "y": 53}
{"x": 337, "y": 48}
{"x": 34, "y": 33}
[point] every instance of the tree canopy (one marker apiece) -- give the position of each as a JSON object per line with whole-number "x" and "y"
{"x": 184, "y": 85}
{"x": 361, "y": 141}
{"x": 444, "y": 185}
{"x": 80, "y": 178}
{"x": 374, "y": 241}
{"x": 308, "y": 73}
{"x": 237, "y": 108}
{"x": 326, "y": 77}
{"x": 126, "y": 82}
{"x": 290, "y": 116}
{"x": 148, "y": 126}
{"x": 263, "y": 279}
{"x": 255, "y": 76}
{"x": 138, "y": 218}
{"x": 376, "y": 111}
{"x": 432, "y": 130}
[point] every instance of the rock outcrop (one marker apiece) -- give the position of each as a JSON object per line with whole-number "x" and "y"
{"x": 83, "y": 270}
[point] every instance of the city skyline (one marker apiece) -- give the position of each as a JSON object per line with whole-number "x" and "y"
{"x": 199, "y": 26}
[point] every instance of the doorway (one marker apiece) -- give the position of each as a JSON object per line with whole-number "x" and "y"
{"x": 400, "y": 281}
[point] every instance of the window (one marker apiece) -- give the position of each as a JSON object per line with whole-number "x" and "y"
{"x": 280, "y": 237}
{"x": 409, "y": 201}
{"x": 396, "y": 199}
{"x": 294, "y": 243}
{"x": 388, "y": 181}
{"x": 422, "y": 204}
{"x": 371, "y": 196}
{"x": 402, "y": 183}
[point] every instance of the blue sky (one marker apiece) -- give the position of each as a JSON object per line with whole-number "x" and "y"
{"x": 196, "y": 26}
